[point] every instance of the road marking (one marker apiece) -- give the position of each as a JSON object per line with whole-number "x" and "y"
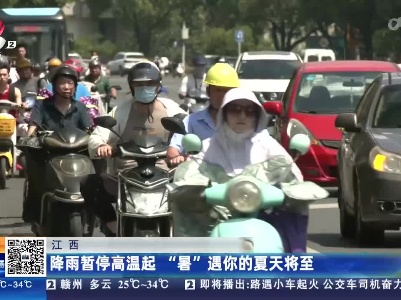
{"x": 324, "y": 206}
{"x": 310, "y": 250}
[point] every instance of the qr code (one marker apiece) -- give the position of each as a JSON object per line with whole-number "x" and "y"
{"x": 25, "y": 257}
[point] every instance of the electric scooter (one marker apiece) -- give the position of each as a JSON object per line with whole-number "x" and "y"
{"x": 243, "y": 196}
{"x": 8, "y": 140}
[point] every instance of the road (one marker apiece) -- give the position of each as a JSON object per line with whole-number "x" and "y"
{"x": 324, "y": 236}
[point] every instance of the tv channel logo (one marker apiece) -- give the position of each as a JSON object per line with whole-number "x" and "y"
{"x": 4, "y": 44}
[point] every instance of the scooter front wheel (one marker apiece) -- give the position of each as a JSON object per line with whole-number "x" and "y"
{"x": 3, "y": 173}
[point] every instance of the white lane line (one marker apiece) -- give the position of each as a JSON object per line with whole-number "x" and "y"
{"x": 310, "y": 250}
{"x": 324, "y": 206}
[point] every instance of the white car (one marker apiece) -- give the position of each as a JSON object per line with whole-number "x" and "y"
{"x": 123, "y": 61}
{"x": 267, "y": 73}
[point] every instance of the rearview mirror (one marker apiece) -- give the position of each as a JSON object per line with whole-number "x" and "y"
{"x": 353, "y": 83}
{"x": 192, "y": 144}
{"x": 105, "y": 121}
{"x": 273, "y": 107}
{"x": 300, "y": 143}
{"x": 348, "y": 122}
{"x": 117, "y": 87}
{"x": 174, "y": 125}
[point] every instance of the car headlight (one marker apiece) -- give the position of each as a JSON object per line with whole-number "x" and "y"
{"x": 72, "y": 165}
{"x": 245, "y": 197}
{"x": 295, "y": 127}
{"x": 385, "y": 162}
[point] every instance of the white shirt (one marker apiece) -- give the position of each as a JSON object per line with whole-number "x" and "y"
{"x": 189, "y": 83}
{"x": 13, "y": 75}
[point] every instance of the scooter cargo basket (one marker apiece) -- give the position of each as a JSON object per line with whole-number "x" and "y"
{"x": 7, "y": 127}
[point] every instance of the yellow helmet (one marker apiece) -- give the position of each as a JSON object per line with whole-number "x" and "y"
{"x": 222, "y": 74}
{"x": 23, "y": 63}
{"x": 55, "y": 62}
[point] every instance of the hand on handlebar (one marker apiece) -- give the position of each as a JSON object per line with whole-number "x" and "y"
{"x": 105, "y": 151}
{"x": 176, "y": 160}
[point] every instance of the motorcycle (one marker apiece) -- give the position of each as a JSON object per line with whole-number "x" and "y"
{"x": 8, "y": 140}
{"x": 222, "y": 206}
{"x": 105, "y": 99}
{"x": 143, "y": 209}
{"x": 67, "y": 163}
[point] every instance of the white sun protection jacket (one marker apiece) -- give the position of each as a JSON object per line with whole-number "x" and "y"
{"x": 234, "y": 151}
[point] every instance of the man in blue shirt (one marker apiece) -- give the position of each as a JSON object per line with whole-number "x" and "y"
{"x": 81, "y": 91}
{"x": 220, "y": 79}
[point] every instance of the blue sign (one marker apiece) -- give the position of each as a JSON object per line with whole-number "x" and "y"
{"x": 239, "y": 36}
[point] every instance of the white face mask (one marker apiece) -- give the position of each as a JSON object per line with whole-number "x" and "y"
{"x": 236, "y": 137}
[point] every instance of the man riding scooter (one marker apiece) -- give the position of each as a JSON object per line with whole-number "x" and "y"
{"x": 101, "y": 82}
{"x": 141, "y": 116}
{"x": 194, "y": 84}
{"x": 54, "y": 113}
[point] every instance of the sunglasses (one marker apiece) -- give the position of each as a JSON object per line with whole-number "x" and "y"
{"x": 249, "y": 111}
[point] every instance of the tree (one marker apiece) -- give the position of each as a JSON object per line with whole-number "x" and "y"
{"x": 282, "y": 18}
{"x": 145, "y": 17}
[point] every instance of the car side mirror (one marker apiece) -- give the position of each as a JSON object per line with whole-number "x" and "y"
{"x": 273, "y": 107}
{"x": 348, "y": 122}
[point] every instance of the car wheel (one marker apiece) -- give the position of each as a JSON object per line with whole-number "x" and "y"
{"x": 365, "y": 235}
{"x": 347, "y": 221}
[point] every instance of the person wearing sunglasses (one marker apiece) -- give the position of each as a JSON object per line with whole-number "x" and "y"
{"x": 240, "y": 140}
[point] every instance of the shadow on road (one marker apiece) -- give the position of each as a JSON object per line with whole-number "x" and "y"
{"x": 334, "y": 240}
{"x": 13, "y": 225}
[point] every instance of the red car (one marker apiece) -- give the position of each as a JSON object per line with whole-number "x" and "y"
{"x": 316, "y": 94}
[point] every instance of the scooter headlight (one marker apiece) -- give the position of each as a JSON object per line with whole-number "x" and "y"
{"x": 71, "y": 166}
{"x": 245, "y": 197}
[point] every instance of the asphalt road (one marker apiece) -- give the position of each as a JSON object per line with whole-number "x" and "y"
{"x": 324, "y": 236}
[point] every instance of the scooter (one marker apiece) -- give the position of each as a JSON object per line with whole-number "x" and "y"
{"x": 8, "y": 140}
{"x": 244, "y": 196}
{"x": 143, "y": 209}
{"x": 195, "y": 102}
{"x": 63, "y": 211}
{"x": 105, "y": 99}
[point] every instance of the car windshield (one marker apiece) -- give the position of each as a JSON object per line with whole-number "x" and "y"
{"x": 134, "y": 56}
{"x": 388, "y": 109}
{"x": 332, "y": 93}
{"x": 268, "y": 69}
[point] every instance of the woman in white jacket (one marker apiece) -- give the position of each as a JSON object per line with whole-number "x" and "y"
{"x": 241, "y": 139}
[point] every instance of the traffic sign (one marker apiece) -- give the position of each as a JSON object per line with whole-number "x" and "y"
{"x": 239, "y": 36}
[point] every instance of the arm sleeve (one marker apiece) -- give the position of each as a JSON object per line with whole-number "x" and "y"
{"x": 176, "y": 140}
{"x": 36, "y": 115}
{"x": 275, "y": 149}
{"x": 107, "y": 86}
{"x": 101, "y": 136}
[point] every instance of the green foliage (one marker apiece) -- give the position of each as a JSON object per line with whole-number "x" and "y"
{"x": 104, "y": 48}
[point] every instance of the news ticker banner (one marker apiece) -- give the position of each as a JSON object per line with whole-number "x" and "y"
{"x": 149, "y": 257}
{"x": 196, "y": 288}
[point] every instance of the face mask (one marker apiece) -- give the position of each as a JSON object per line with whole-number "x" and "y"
{"x": 145, "y": 94}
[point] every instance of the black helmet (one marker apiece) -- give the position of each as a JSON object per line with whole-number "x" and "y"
{"x": 65, "y": 71}
{"x": 144, "y": 71}
{"x": 199, "y": 60}
{"x": 94, "y": 63}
